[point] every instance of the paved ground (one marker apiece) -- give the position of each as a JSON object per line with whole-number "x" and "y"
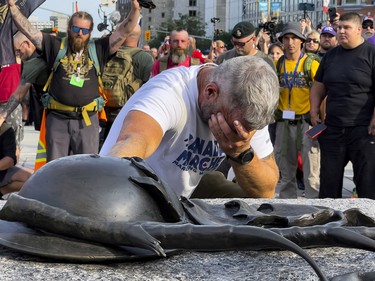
{"x": 30, "y": 141}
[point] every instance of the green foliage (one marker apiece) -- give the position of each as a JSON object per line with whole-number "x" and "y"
{"x": 195, "y": 26}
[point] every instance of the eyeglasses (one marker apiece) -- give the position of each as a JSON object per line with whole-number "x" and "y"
{"x": 18, "y": 50}
{"x": 241, "y": 44}
{"x": 76, "y": 29}
{"x": 367, "y": 25}
{"x": 308, "y": 40}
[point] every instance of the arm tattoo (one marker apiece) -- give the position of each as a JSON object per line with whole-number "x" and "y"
{"x": 11, "y": 105}
{"x": 26, "y": 28}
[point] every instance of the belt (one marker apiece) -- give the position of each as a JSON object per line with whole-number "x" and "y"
{"x": 92, "y": 106}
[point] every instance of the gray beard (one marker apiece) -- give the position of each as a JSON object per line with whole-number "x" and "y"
{"x": 176, "y": 59}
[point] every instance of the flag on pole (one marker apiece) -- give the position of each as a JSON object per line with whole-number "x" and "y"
{"x": 76, "y": 7}
{"x": 8, "y": 29}
{"x": 325, "y": 6}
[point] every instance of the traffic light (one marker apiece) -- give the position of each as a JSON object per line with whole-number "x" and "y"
{"x": 147, "y": 35}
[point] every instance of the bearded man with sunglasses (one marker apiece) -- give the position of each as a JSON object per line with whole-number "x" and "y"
{"x": 72, "y": 123}
{"x": 368, "y": 27}
{"x": 244, "y": 41}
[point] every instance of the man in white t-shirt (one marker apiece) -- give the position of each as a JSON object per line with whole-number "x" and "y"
{"x": 185, "y": 121}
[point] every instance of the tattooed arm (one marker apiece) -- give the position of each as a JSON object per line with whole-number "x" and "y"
{"x": 14, "y": 100}
{"x": 125, "y": 28}
{"x": 24, "y": 25}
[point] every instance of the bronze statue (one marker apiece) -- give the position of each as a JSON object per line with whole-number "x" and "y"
{"x": 96, "y": 208}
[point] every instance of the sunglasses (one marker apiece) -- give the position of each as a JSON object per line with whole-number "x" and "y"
{"x": 308, "y": 40}
{"x": 76, "y": 29}
{"x": 241, "y": 44}
{"x": 367, "y": 25}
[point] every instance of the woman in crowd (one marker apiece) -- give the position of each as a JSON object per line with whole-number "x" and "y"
{"x": 312, "y": 43}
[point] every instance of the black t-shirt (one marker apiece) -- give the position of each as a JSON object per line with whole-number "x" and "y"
{"x": 7, "y": 145}
{"x": 349, "y": 79}
{"x": 60, "y": 87}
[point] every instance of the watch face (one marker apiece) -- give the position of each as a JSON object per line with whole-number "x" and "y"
{"x": 247, "y": 156}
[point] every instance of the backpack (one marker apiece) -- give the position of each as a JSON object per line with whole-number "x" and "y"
{"x": 119, "y": 81}
{"x": 163, "y": 62}
{"x": 306, "y": 66}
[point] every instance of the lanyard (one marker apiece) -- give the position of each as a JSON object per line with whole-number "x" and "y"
{"x": 290, "y": 85}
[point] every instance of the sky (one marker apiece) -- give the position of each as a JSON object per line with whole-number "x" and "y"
{"x": 66, "y": 7}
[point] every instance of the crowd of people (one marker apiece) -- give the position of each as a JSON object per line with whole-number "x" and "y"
{"x": 229, "y": 124}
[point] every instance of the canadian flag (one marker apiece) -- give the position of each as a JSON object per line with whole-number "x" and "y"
{"x": 325, "y": 6}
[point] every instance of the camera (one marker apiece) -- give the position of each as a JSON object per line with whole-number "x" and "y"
{"x": 268, "y": 26}
{"x": 332, "y": 14}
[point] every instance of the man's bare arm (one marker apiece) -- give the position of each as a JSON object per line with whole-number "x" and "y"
{"x": 15, "y": 99}
{"x": 24, "y": 25}
{"x": 317, "y": 95}
{"x": 259, "y": 177}
{"x": 140, "y": 136}
{"x": 125, "y": 27}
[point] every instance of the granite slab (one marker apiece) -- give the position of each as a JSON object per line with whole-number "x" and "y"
{"x": 189, "y": 265}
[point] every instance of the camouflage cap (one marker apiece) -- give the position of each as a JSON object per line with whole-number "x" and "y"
{"x": 243, "y": 29}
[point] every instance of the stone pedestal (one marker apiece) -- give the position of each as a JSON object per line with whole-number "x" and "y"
{"x": 186, "y": 265}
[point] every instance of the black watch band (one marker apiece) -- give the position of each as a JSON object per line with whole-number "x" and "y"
{"x": 244, "y": 158}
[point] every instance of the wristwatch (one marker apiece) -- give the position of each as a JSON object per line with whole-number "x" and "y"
{"x": 244, "y": 158}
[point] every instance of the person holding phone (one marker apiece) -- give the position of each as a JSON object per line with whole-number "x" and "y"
{"x": 350, "y": 118}
{"x": 292, "y": 117}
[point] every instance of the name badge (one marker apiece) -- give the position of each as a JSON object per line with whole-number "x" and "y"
{"x": 76, "y": 81}
{"x": 289, "y": 114}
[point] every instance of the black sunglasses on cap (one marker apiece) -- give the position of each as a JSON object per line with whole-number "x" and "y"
{"x": 76, "y": 29}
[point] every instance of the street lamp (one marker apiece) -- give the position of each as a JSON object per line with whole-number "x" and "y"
{"x": 214, "y": 21}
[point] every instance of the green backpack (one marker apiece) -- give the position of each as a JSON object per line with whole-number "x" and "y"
{"x": 306, "y": 66}
{"x": 119, "y": 81}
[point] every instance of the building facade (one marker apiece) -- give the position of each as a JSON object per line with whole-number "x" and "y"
{"x": 224, "y": 14}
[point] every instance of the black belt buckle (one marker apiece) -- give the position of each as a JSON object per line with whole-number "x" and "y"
{"x": 293, "y": 122}
{"x": 148, "y": 4}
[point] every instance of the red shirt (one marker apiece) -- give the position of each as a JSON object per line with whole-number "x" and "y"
{"x": 156, "y": 67}
{"x": 10, "y": 77}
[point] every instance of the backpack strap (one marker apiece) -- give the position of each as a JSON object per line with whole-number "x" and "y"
{"x": 279, "y": 65}
{"x": 307, "y": 67}
{"x": 163, "y": 63}
{"x": 60, "y": 55}
{"x": 195, "y": 61}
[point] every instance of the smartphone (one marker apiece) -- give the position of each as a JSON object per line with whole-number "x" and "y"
{"x": 332, "y": 14}
{"x": 316, "y": 130}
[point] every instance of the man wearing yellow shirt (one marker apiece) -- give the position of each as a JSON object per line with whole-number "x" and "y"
{"x": 293, "y": 118}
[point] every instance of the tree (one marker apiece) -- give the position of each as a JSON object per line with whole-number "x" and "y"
{"x": 195, "y": 26}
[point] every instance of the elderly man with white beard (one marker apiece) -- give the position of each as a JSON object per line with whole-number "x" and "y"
{"x": 178, "y": 53}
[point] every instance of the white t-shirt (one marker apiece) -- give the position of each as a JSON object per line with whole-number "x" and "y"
{"x": 188, "y": 149}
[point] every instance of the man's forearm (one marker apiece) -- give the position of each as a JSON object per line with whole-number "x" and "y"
{"x": 11, "y": 105}
{"x": 25, "y": 27}
{"x": 14, "y": 100}
{"x": 259, "y": 177}
{"x": 124, "y": 29}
